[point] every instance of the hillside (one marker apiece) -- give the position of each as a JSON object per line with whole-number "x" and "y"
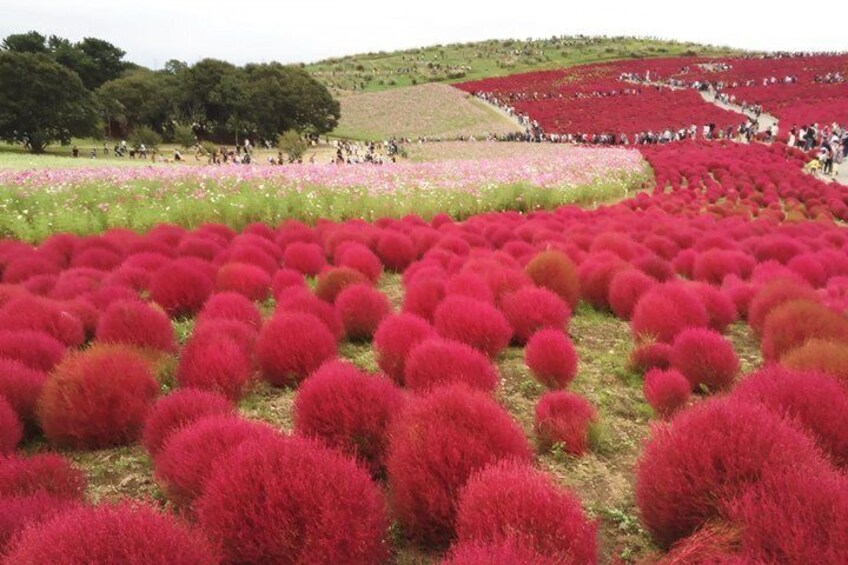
{"x": 470, "y": 61}
{"x": 434, "y": 110}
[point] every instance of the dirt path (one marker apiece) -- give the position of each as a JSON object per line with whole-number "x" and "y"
{"x": 766, "y": 120}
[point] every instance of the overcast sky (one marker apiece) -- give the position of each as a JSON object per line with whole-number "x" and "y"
{"x": 153, "y": 31}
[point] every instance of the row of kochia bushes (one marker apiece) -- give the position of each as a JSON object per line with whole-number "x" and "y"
{"x": 88, "y": 343}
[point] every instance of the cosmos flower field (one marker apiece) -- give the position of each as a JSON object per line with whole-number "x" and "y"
{"x": 320, "y": 365}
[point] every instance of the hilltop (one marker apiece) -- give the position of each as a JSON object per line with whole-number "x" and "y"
{"x": 470, "y": 61}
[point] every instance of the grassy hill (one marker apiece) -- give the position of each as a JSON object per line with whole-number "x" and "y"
{"x": 468, "y": 61}
{"x": 434, "y": 110}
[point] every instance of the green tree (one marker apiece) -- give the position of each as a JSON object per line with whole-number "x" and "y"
{"x": 184, "y": 135}
{"x": 101, "y": 62}
{"x": 30, "y": 42}
{"x": 145, "y": 136}
{"x": 50, "y": 105}
{"x": 140, "y": 98}
{"x": 211, "y": 92}
{"x": 292, "y": 145}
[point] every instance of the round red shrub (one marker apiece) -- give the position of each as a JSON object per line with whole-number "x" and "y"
{"x": 136, "y": 323}
{"x": 35, "y": 349}
{"x": 359, "y": 257}
{"x": 437, "y": 443}
{"x": 243, "y": 334}
{"x": 249, "y": 280}
{"x": 651, "y": 355}
{"x": 795, "y": 322}
{"x": 705, "y": 358}
{"x": 551, "y": 358}
{"x": 530, "y": 309}
{"x": 216, "y": 363}
{"x": 44, "y": 473}
{"x": 348, "y": 410}
{"x": 470, "y": 285}
{"x": 475, "y": 323}
{"x": 333, "y": 281}
{"x": 596, "y": 275}
{"x": 717, "y": 542}
{"x": 20, "y": 270}
{"x": 508, "y": 550}
{"x": 396, "y": 250}
{"x": 21, "y": 387}
{"x": 395, "y": 337}
{"x": 361, "y": 308}
{"x": 714, "y": 265}
{"x": 11, "y": 428}
{"x": 626, "y": 288}
{"x": 720, "y": 309}
{"x": 230, "y": 306}
{"x": 666, "y": 310}
{"x": 422, "y": 297}
{"x": 191, "y": 454}
{"x": 97, "y": 398}
{"x": 305, "y": 258}
{"x": 829, "y": 357}
{"x": 305, "y": 302}
{"x": 40, "y": 314}
{"x": 178, "y": 410}
{"x": 286, "y": 280}
{"x": 510, "y": 500}
{"x": 337, "y": 514}
{"x": 773, "y": 295}
{"x": 20, "y": 512}
{"x": 564, "y": 418}
{"x": 556, "y": 271}
{"x": 123, "y": 533}
{"x": 291, "y": 346}
{"x": 180, "y": 287}
{"x": 437, "y": 362}
{"x": 667, "y": 391}
{"x": 711, "y": 453}
{"x": 813, "y": 400}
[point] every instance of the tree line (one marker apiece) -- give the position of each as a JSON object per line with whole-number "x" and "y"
{"x": 52, "y": 90}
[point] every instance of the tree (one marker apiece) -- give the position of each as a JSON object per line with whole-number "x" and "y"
{"x": 50, "y": 105}
{"x": 102, "y": 62}
{"x": 30, "y": 42}
{"x": 140, "y": 98}
{"x": 211, "y": 93}
{"x": 292, "y": 145}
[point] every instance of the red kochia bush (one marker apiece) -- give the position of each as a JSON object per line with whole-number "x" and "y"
{"x": 529, "y": 310}
{"x": 331, "y": 282}
{"x": 508, "y": 550}
{"x": 395, "y": 337}
{"x": 650, "y": 355}
{"x": 720, "y": 308}
{"x": 596, "y": 275}
{"x": 306, "y": 258}
{"x": 666, "y": 310}
{"x": 510, "y": 500}
{"x": 829, "y": 357}
{"x": 555, "y": 271}
{"x": 97, "y": 398}
{"x": 299, "y": 502}
{"x": 11, "y": 428}
{"x": 19, "y": 512}
{"x": 709, "y": 454}
{"x": 626, "y": 288}
{"x": 34, "y": 349}
{"x": 795, "y": 322}
{"x": 815, "y": 401}
{"x": 286, "y": 280}
{"x": 176, "y": 411}
{"x": 475, "y": 323}
{"x": 396, "y": 250}
{"x": 773, "y": 295}
{"x": 436, "y": 445}
{"x": 438, "y": 362}
{"x": 21, "y": 386}
{"x": 44, "y": 473}
{"x": 136, "y": 323}
{"x": 216, "y": 363}
{"x": 124, "y": 533}
{"x": 191, "y": 454}
{"x": 422, "y": 297}
{"x": 349, "y": 411}
{"x": 180, "y": 287}
{"x": 564, "y": 418}
{"x": 40, "y": 314}
{"x": 667, "y": 391}
{"x": 361, "y": 308}
{"x": 551, "y": 358}
{"x": 706, "y": 358}
{"x": 358, "y": 256}
{"x": 794, "y": 517}
{"x": 230, "y": 306}
{"x": 249, "y": 280}
{"x": 292, "y": 345}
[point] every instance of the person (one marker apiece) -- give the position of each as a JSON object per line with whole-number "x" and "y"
{"x": 75, "y": 151}
{"x": 826, "y": 156}
{"x": 177, "y": 156}
{"x": 93, "y": 153}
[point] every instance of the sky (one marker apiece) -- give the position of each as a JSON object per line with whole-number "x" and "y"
{"x": 241, "y": 31}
